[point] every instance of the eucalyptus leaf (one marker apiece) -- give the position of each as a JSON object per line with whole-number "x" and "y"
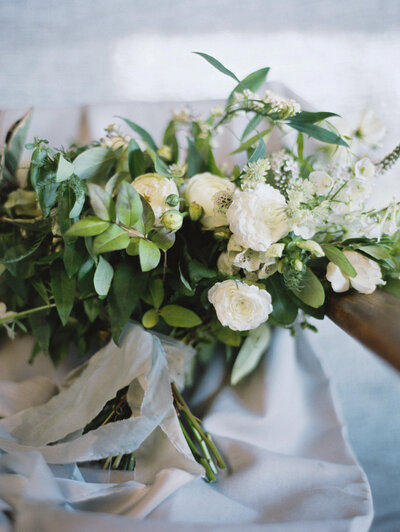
{"x": 94, "y": 162}
{"x": 156, "y": 287}
{"x": 253, "y": 123}
{"x": 114, "y": 238}
{"x": 129, "y": 207}
{"x": 337, "y": 256}
{"x": 89, "y": 226}
{"x": 63, "y": 289}
{"x": 65, "y": 169}
{"x": 178, "y": 316}
{"x": 252, "y": 82}
{"x": 149, "y": 255}
{"x": 249, "y": 143}
{"x": 103, "y": 277}
{"x": 250, "y": 353}
{"x": 312, "y": 118}
{"x": 101, "y": 202}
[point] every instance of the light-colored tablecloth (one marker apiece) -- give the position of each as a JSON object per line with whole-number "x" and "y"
{"x": 290, "y": 465}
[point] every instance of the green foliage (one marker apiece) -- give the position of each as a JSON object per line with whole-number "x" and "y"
{"x": 129, "y": 207}
{"x": 103, "y": 277}
{"x": 252, "y": 82}
{"x": 94, "y": 163}
{"x": 228, "y": 337}
{"x": 149, "y": 255}
{"x": 170, "y": 140}
{"x": 250, "y": 353}
{"x": 178, "y": 316}
{"x": 336, "y": 256}
{"x": 316, "y": 132}
{"x": 63, "y": 289}
{"x": 12, "y": 151}
{"x": 101, "y": 202}
{"x": 218, "y": 65}
{"x": 150, "y": 318}
{"x": 113, "y": 239}
{"x": 311, "y": 291}
{"x": 284, "y": 309}
{"x": 89, "y": 226}
{"x": 137, "y": 165}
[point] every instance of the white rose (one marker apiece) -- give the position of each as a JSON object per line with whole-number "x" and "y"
{"x": 368, "y": 277}
{"x": 202, "y": 189}
{"x": 322, "y": 181}
{"x": 258, "y": 218}
{"x": 364, "y": 169}
{"x": 239, "y": 306}
{"x": 155, "y": 189}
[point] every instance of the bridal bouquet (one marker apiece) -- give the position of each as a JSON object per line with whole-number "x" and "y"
{"x": 125, "y": 229}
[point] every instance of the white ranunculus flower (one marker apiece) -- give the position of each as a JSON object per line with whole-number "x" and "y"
{"x": 322, "y": 181}
{"x": 364, "y": 169}
{"x": 201, "y": 189}
{"x": 156, "y": 188}
{"x": 258, "y": 218}
{"x": 368, "y": 277}
{"x": 240, "y": 306}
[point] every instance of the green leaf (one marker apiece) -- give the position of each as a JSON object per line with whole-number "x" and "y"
{"x": 392, "y": 286}
{"x": 228, "y": 337}
{"x": 145, "y": 224}
{"x": 311, "y": 118}
{"x": 113, "y": 239}
{"x": 251, "y": 352}
{"x": 41, "y": 330}
{"x": 150, "y": 319}
{"x": 101, "y": 202}
{"x": 156, "y": 287}
{"x": 252, "y": 82}
{"x": 253, "y": 123}
{"x": 178, "y": 316}
{"x": 195, "y": 160}
{"x": 259, "y": 153}
{"x": 89, "y": 226}
{"x": 163, "y": 238}
{"x": 19, "y": 252}
{"x": 142, "y": 132}
{"x": 127, "y": 287}
{"x": 93, "y": 162}
{"x": 284, "y": 308}
{"x": 312, "y": 292}
{"x": 133, "y": 248}
{"x": 218, "y": 65}
{"x": 249, "y": 143}
{"x": 337, "y": 256}
{"x": 317, "y": 132}
{"x": 13, "y": 148}
{"x": 149, "y": 255}
{"x": 92, "y": 308}
{"x": 103, "y": 277}
{"x": 198, "y": 271}
{"x": 161, "y": 168}
{"x": 79, "y": 189}
{"x": 376, "y": 251}
{"x": 73, "y": 256}
{"x": 169, "y": 139}
{"x": 136, "y": 163}
{"x": 38, "y": 285}
{"x": 65, "y": 169}
{"x": 42, "y": 181}
{"x": 63, "y": 289}
{"x": 129, "y": 207}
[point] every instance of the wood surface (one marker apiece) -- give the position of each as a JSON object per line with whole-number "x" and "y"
{"x": 372, "y": 319}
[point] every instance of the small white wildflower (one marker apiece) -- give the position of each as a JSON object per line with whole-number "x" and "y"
{"x": 365, "y": 169}
{"x": 217, "y": 111}
{"x": 283, "y": 107}
{"x": 182, "y": 115}
{"x": 254, "y": 173}
{"x": 322, "y": 182}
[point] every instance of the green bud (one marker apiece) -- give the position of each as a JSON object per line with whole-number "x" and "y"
{"x": 195, "y": 211}
{"x": 172, "y": 220}
{"x": 165, "y": 152}
{"x": 172, "y": 200}
{"x": 222, "y": 234}
{"x": 298, "y": 265}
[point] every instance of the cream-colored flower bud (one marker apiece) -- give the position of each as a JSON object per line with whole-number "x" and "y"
{"x": 311, "y": 246}
{"x": 196, "y": 211}
{"x": 298, "y": 265}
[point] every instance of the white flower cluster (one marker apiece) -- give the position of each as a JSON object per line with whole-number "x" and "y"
{"x": 275, "y": 105}
{"x": 254, "y": 173}
{"x": 285, "y": 169}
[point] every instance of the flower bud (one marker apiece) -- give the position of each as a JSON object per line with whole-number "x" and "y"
{"x": 298, "y": 265}
{"x": 172, "y": 220}
{"x": 195, "y": 211}
{"x": 222, "y": 234}
{"x": 312, "y": 246}
{"x": 172, "y": 200}
{"x": 165, "y": 152}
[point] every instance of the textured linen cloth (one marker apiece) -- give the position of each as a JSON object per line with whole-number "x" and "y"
{"x": 290, "y": 465}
